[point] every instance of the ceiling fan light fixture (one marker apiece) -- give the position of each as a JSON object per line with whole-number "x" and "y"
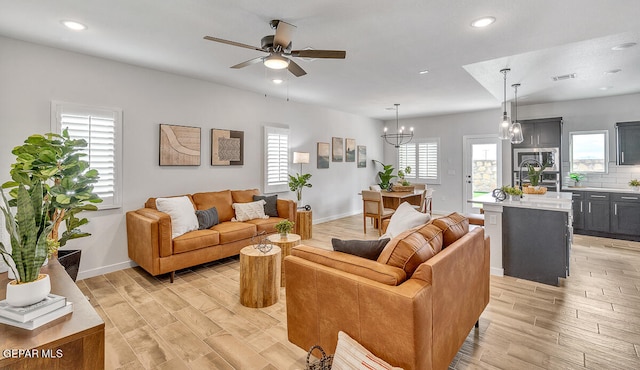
{"x": 274, "y": 61}
{"x": 483, "y": 22}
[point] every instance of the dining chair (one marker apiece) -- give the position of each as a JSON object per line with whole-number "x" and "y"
{"x": 375, "y": 188}
{"x": 373, "y": 207}
{"x": 427, "y": 203}
{"x": 419, "y": 186}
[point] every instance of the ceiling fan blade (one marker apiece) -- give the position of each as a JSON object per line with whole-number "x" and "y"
{"x": 233, "y": 43}
{"x": 248, "y": 63}
{"x": 331, "y": 54}
{"x": 283, "y": 34}
{"x": 296, "y": 69}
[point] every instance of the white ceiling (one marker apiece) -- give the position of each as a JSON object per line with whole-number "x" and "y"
{"x": 387, "y": 43}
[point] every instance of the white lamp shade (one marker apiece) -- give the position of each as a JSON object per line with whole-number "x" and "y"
{"x": 300, "y": 157}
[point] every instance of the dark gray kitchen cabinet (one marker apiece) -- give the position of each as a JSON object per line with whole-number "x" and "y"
{"x": 627, "y": 139}
{"x": 541, "y": 133}
{"x": 625, "y": 210}
{"x": 578, "y": 210}
{"x": 597, "y": 213}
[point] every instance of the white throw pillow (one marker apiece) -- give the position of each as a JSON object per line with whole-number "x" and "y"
{"x": 249, "y": 211}
{"x": 405, "y": 218}
{"x": 351, "y": 355}
{"x": 183, "y": 215}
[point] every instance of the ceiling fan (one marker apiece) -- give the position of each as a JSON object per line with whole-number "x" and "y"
{"x": 278, "y": 47}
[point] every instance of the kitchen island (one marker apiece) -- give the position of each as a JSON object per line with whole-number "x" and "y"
{"x": 530, "y": 237}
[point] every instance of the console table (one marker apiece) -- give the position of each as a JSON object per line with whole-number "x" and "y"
{"x": 78, "y": 337}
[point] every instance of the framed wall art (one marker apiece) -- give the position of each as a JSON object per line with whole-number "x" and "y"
{"x": 323, "y": 155}
{"x": 350, "y": 150}
{"x": 337, "y": 149}
{"x": 362, "y": 156}
{"x": 227, "y": 147}
{"x": 179, "y": 145}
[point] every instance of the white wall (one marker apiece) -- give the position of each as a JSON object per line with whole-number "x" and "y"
{"x": 31, "y": 76}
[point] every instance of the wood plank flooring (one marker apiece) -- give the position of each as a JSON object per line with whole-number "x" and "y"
{"x": 592, "y": 320}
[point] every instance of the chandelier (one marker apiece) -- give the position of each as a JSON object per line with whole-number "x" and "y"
{"x": 505, "y": 124}
{"x": 399, "y": 137}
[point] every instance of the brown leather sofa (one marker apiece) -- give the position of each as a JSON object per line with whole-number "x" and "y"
{"x": 413, "y": 307}
{"x": 149, "y": 232}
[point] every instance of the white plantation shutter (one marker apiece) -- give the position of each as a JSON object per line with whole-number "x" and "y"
{"x": 423, "y": 158}
{"x": 101, "y": 129}
{"x": 276, "y": 159}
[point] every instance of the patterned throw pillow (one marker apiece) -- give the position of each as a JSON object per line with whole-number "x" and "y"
{"x": 249, "y": 211}
{"x": 351, "y": 355}
{"x": 207, "y": 218}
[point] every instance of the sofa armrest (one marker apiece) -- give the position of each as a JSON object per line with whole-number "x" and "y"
{"x": 369, "y": 269}
{"x": 286, "y": 209}
{"x": 164, "y": 243}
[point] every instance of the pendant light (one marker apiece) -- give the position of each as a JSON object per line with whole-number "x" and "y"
{"x": 516, "y": 128}
{"x": 504, "y": 132}
{"x": 400, "y": 137}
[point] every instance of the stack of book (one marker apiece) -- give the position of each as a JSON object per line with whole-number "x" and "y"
{"x": 37, "y": 314}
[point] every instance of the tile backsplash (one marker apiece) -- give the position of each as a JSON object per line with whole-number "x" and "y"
{"x": 618, "y": 177}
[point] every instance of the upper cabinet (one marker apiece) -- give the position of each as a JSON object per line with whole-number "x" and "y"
{"x": 541, "y": 133}
{"x": 627, "y": 140}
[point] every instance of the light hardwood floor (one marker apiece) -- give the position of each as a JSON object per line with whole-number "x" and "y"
{"x": 592, "y": 320}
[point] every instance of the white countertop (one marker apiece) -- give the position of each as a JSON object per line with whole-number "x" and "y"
{"x": 606, "y": 190}
{"x": 550, "y": 201}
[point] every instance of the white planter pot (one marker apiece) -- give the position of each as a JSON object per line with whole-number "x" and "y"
{"x": 24, "y": 294}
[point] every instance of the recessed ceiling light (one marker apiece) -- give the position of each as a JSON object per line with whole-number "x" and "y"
{"x": 424, "y": 72}
{"x": 604, "y": 88}
{"x": 277, "y": 81}
{"x": 626, "y": 45}
{"x": 483, "y": 22}
{"x": 613, "y": 71}
{"x": 73, "y": 25}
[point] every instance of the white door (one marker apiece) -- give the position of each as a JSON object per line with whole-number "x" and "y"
{"x": 482, "y": 167}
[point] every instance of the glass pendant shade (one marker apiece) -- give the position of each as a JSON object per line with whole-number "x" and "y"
{"x": 516, "y": 133}
{"x": 505, "y": 126}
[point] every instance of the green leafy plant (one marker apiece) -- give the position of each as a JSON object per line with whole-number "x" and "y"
{"x": 402, "y": 174}
{"x": 28, "y": 231}
{"x": 634, "y": 182}
{"x": 577, "y": 177}
{"x": 510, "y": 190}
{"x": 284, "y": 226}
{"x": 299, "y": 182}
{"x": 385, "y": 176}
{"x": 534, "y": 174}
{"x": 55, "y": 161}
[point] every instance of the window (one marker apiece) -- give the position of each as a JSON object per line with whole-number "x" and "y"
{"x": 276, "y": 171}
{"x": 422, "y": 157}
{"x": 589, "y": 151}
{"x": 102, "y": 130}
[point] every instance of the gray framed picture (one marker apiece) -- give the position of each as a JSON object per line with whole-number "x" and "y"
{"x": 350, "y": 150}
{"x": 227, "y": 147}
{"x": 337, "y": 149}
{"x": 362, "y": 156}
{"x": 323, "y": 155}
{"x": 179, "y": 145}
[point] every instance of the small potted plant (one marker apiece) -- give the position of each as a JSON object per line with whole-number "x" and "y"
{"x": 284, "y": 227}
{"x": 635, "y": 184}
{"x": 297, "y": 183}
{"x": 385, "y": 175}
{"x": 402, "y": 174}
{"x": 514, "y": 193}
{"x": 577, "y": 177}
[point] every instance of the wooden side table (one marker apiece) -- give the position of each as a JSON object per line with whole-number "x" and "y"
{"x": 259, "y": 277}
{"x": 285, "y": 245}
{"x": 304, "y": 224}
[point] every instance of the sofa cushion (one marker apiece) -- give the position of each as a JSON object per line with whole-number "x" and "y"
{"x": 151, "y": 202}
{"x": 453, "y": 227}
{"x": 369, "y": 249}
{"x": 412, "y": 247}
{"x": 220, "y": 199}
{"x": 195, "y": 240}
{"x": 271, "y": 205}
{"x": 266, "y": 224}
{"x": 207, "y": 218}
{"x": 244, "y": 196}
{"x": 351, "y": 355}
{"x": 249, "y": 211}
{"x": 234, "y": 231}
{"x": 404, "y": 218}
{"x": 183, "y": 216}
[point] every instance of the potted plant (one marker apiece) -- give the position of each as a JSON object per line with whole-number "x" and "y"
{"x": 635, "y": 184}
{"x": 402, "y": 174}
{"x": 577, "y": 178}
{"x": 284, "y": 227}
{"x": 514, "y": 193}
{"x": 534, "y": 174}
{"x": 299, "y": 182}
{"x": 28, "y": 231}
{"x": 53, "y": 163}
{"x": 385, "y": 175}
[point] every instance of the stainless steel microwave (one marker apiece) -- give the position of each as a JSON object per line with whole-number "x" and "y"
{"x": 542, "y": 155}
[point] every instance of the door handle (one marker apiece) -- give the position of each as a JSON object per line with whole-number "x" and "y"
{"x": 615, "y": 209}
{"x": 581, "y": 207}
{"x": 589, "y": 207}
{"x": 622, "y": 154}
{"x": 598, "y": 196}
{"x": 630, "y": 198}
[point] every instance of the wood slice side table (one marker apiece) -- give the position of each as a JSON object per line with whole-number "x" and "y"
{"x": 285, "y": 244}
{"x": 304, "y": 224}
{"x": 259, "y": 277}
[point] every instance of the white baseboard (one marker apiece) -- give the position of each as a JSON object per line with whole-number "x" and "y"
{"x": 105, "y": 270}
{"x": 335, "y": 217}
{"x": 497, "y": 271}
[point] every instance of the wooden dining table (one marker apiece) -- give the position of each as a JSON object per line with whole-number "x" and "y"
{"x": 393, "y": 199}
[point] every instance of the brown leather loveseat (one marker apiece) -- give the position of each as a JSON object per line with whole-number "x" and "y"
{"x": 149, "y": 232}
{"x": 413, "y": 307}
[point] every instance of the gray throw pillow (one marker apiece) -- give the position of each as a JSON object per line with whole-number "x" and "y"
{"x": 207, "y": 218}
{"x": 369, "y": 249}
{"x": 271, "y": 205}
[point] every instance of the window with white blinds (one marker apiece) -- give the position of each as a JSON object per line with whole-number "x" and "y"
{"x": 101, "y": 128}
{"x": 276, "y": 172}
{"x": 423, "y": 158}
